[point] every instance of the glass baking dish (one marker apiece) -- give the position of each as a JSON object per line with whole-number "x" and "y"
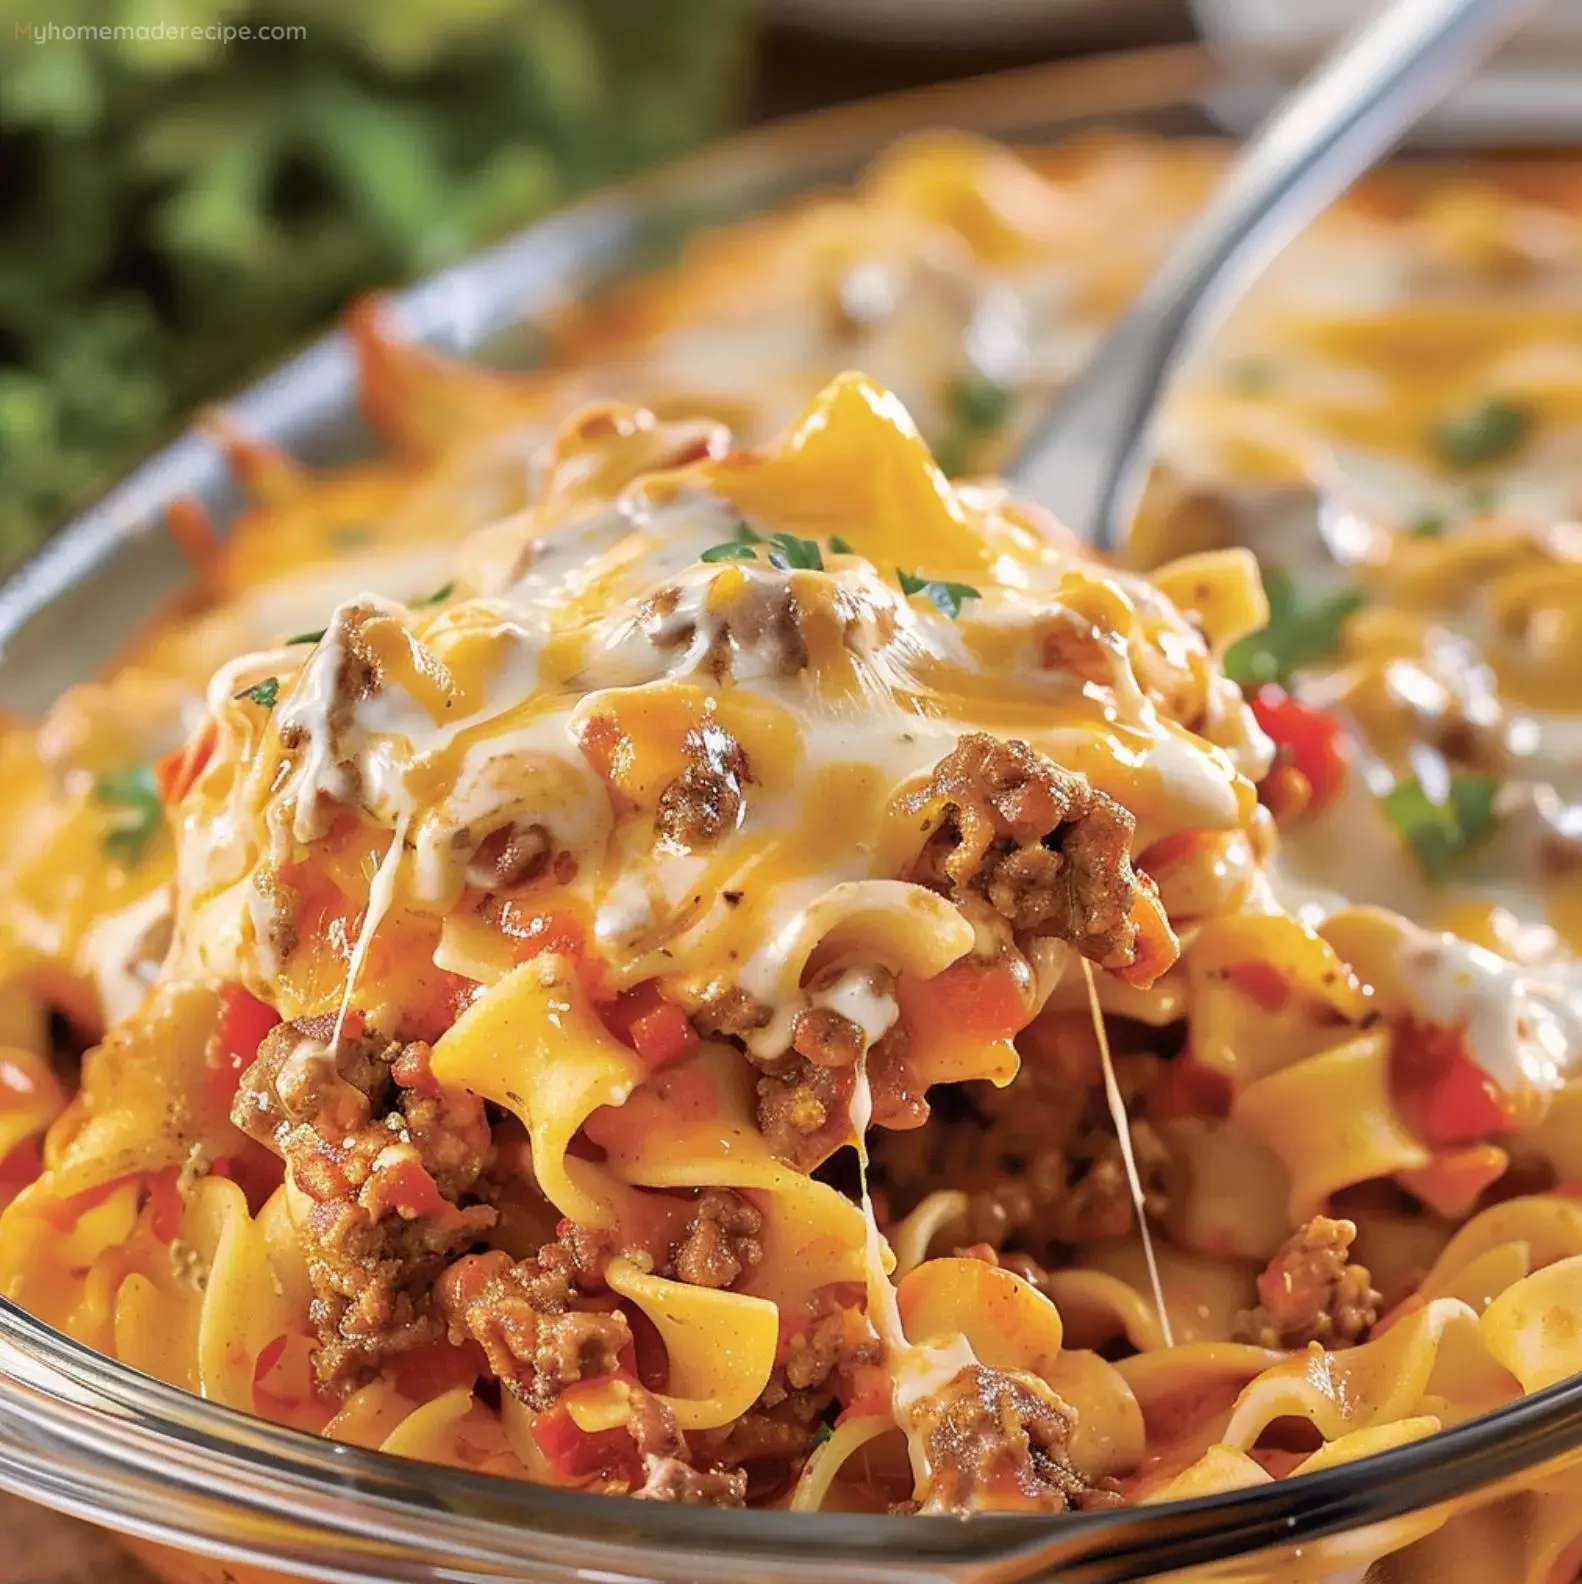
{"x": 205, "y": 1494}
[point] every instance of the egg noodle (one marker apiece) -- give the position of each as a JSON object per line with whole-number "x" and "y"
{"x": 579, "y": 934}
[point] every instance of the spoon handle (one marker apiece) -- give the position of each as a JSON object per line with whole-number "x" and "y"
{"x": 1083, "y": 460}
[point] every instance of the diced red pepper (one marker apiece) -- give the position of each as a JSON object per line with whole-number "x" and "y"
{"x": 1446, "y": 1098}
{"x": 1308, "y": 739}
{"x": 657, "y": 1029}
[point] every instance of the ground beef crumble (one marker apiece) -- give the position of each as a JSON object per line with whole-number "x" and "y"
{"x": 1309, "y": 1293}
{"x": 384, "y": 1157}
{"x": 1045, "y": 849}
{"x": 519, "y": 1312}
{"x": 704, "y": 802}
{"x": 1038, "y": 1161}
{"x": 1001, "y": 1438}
{"x": 669, "y": 1474}
{"x": 804, "y": 1112}
{"x": 721, "y": 1243}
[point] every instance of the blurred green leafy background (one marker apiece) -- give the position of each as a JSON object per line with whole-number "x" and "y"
{"x": 174, "y": 211}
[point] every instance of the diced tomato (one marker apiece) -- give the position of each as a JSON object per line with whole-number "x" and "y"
{"x": 164, "y": 1204}
{"x": 19, "y": 1168}
{"x": 256, "y": 1171}
{"x": 437, "y": 1367}
{"x": 243, "y": 1022}
{"x": 1445, "y": 1097}
{"x": 982, "y": 1000}
{"x": 1187, "y": 1088}
{"x": 176, "y": 772}
{"x": 532, "y": 934}
{"x": 405, "y": 1187}
{"x": 272, "y": 1354}
{"x": 575, "y": 1453}
{"x": 657, "y": 1029}
{"x": 1308, "y": 739}
{"x": 450, "y": 996}
{"x": 1261, "y": 982}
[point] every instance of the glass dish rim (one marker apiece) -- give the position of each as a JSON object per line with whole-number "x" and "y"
{"x": 64, "y": 1390}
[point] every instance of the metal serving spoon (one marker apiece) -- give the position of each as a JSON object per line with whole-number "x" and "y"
{"x": 1084, "y": 459}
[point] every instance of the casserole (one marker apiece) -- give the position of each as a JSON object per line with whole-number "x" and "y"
{"x": 44, "y": 1352}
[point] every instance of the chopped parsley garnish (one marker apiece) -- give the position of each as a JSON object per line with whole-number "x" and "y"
{"x": 820, "y": 1436}
{"x": 1298, "y": 633}
{"x": 789, "y": 553}
{"x": 978, "y": 406}
{"x": 1431, "y": 525}
{"x": 349, "y": 536}
{"x": 265, "y": 692}
{"x": 1484, "y": 498}
{"x": 1484, "y": 433}
{"x": 946, "y": 597}
{"x": 1441, "y": 834}
{"x": 134, "y": 791}
{"x": 307, "y": 637}
{"x": 438, "y": 597}
{"x": 739, "y": 547}
{"x": 786, "y": 551}
{"x": 978, "y": 403}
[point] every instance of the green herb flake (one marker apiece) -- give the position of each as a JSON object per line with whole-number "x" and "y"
{"x": 134, "y": 792}
{"x": 1431, "y": 525}
{"x": 1298, "y": 634}
{"x": 1442, "y": 834}
{"x": 731, "y": 550}
{"x": 438, "y": 597}
{"x": 838, "y": 546}
{"x": 1484, "y": 433}
{"x": 820, "y": 1436}
{"x": 947, "y": 597}
{"x": 979, "y": 404}
{"x": 306, "y": 638}
{"x": 349, "y": 536}
{"x": 790, "y": 554}
{"x": 264, "y": 693}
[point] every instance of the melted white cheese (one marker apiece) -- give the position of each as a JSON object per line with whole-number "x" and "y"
{"x": 1522, "y": 1022}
